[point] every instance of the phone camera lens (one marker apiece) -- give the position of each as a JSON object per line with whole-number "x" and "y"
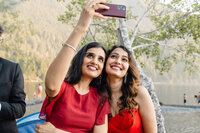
{"x": 121, "y": 7}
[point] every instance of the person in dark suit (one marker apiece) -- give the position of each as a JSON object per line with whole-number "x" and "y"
{"x": 12, "y": 95}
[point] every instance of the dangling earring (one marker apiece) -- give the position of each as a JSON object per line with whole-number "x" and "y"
{"x": 125, "y": 78}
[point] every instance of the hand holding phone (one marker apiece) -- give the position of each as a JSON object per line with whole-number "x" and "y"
{"x": 114, "y": 10}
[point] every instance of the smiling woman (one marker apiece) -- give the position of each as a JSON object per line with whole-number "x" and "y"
{"x": 77, "y": 97}
{"x": 131, "y": 107}
{"x": 93, "y": 62}
{"x": 77, "y": 104}
{"x": 117, "y": 63}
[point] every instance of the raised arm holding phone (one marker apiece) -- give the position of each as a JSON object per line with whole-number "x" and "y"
{"x": 74, "y": 104}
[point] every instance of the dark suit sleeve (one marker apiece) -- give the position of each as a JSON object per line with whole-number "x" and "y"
{"x": 16, "y": 106}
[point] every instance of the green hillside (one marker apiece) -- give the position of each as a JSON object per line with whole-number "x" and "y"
{"x": 33, "y": 35}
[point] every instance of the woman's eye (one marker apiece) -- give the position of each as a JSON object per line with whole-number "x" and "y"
{"x": 101, "y": 59}
{"x": 113, "y": 56}
{"x": 124, "y": 60}
{"x": 89, "y": 55}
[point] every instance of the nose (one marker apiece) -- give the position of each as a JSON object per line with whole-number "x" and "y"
{"x": 94, "y": 61}
{"x": 118, "y": 61}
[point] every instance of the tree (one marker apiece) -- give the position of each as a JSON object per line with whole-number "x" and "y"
{"x": 169, "y": 23}
{"x": 17, "y": 44}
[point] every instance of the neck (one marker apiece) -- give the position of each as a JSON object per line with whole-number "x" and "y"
{"x": 115, "y": 85}
{"x": 83, "y": 86}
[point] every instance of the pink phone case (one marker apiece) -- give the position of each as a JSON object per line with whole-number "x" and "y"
{"x": 114, "y": 11}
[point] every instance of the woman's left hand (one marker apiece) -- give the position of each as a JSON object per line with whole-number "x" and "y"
{"x": 47, "y": 127}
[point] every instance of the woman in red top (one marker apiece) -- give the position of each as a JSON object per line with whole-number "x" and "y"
{"x": 75, "y": 105}
{"x": 130, "y": 104}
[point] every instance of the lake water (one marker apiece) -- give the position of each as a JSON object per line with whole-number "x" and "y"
{"x": 173, "y": 94}
{"x": 167, "y": 94}
{"x": 177, "y": 119}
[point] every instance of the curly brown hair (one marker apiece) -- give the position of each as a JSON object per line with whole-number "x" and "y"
{"x": 130, "y": 85}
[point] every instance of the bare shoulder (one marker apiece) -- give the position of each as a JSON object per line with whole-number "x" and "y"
{"x": 142, "y": 91}
{"x": 146, "y": 110}
{"x": 143, "y": 95}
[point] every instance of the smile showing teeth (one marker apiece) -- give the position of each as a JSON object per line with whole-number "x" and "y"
{"x": 92, "y": 68}
{"x": 115, "y": 68}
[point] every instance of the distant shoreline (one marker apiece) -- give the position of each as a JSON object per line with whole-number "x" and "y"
{"x": 32, "y": 108}
{"x": 33, "y": 81}
{"x": 182, "y": 106}
{"x": 174, "y": 84}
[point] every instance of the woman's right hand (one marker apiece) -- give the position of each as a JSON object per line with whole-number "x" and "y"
{"x": 88, "y": 13}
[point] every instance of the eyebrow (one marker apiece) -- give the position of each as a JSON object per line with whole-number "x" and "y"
{"x": 89, "y": 53}
{"x": 118, "y": 54}
{"x": 93, "y": 54}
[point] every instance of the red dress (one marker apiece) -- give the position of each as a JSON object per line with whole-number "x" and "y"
{"x": 125, "y": 123}
{"x": 73, "y": 112}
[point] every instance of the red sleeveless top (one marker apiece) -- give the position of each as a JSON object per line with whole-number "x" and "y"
{"x": 125, "y": 123}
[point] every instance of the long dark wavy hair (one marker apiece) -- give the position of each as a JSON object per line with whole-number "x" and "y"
{"x": 75, "y": 71}
{"x": 129, "y": 87}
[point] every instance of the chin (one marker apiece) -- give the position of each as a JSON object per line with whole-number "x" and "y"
{"x": 93, "y": 76}
{"x": 115, "y": 75}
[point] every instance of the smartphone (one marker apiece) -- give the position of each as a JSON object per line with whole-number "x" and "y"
{"x": 114, "y": 11}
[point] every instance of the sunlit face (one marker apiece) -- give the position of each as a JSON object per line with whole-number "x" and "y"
{"x": 117, "y": 63}
{"x": 93, "y": 62}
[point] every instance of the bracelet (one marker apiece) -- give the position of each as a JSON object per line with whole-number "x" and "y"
{"x": 66, "y": 44}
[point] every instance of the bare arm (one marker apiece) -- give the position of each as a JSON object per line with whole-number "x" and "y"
{"x": 102, "y": 128}
{"x": 47, "y": 127}
{"x": 146, "y": 110}
{"x": 59, "y": 67}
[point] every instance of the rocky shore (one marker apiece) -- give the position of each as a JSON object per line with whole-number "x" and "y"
{"x": 33, "y": 106}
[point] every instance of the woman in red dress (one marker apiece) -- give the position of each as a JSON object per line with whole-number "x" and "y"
{"x": 77, "y": 104}
{"x": 130, "y": 104}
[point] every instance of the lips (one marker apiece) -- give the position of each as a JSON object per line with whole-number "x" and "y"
{"x": 114, "y": 67}
{"x": 91, "y": 67}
